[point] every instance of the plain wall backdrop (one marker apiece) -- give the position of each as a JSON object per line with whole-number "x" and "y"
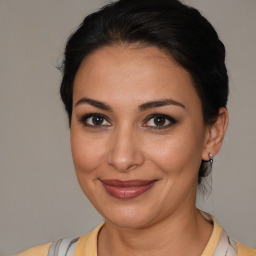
{"x": 40, "y": 199}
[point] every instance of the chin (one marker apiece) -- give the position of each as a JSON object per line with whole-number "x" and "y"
{"x": 128, "y": 222}
{"x": 129, "y": 216}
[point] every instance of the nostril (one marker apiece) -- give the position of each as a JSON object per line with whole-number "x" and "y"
{"x": 125, "y": 153}
{"x": 125, "y": 160}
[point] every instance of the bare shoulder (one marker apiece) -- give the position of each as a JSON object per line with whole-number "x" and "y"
{"x": 245, "y": 251}
{"x": 41, "y": 250}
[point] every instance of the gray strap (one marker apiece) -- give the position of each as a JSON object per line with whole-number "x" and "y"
{"x": 226, "y": 246}
{"x": 63, "y": 247}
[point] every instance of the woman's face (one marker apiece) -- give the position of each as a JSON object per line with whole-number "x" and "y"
{"x": 137, "y": 135}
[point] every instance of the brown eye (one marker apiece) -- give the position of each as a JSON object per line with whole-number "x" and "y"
{"x": 94, "y": 120}
{"x": 159, "y": 120}
{"x": 97, "y": 120}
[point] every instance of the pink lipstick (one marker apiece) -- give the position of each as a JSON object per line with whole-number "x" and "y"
{"x": 127, "y": 189}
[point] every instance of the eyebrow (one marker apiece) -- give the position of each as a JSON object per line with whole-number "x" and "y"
{"x": 159, "y": 103}
{"x": 95, "y": 103}
{"x": 142, "y": 107}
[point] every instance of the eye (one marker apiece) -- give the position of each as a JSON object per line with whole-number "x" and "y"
{"x": 94, "y": 120}
{"x": 159, "y": 121}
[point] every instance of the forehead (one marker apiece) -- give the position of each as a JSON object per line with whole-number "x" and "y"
{"x": 132, "y": 73}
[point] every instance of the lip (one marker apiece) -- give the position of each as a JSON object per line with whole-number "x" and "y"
{"x": 127, "y": 189}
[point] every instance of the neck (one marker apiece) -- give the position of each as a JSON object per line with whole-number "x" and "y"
{"x": 166, "y": 237}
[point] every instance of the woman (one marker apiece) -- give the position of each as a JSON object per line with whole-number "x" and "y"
{"x": 145, "y": 88}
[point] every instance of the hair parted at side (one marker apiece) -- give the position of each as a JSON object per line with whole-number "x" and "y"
{"x": 181, "y": 31}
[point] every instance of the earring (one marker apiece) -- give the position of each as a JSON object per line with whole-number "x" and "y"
{"x": 210, "y": 158}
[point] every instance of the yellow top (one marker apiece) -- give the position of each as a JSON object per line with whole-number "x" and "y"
{"x": 87, "y": 245}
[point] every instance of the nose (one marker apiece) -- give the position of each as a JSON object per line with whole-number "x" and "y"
{"x": 125, "y": 153}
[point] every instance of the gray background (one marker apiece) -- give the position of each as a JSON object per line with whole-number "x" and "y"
{"x": 40, "y": 199}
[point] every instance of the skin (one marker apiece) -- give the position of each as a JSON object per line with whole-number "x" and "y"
{"x": 128, "y": 146}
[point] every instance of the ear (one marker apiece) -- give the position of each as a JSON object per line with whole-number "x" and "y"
{"x": 215, "y": 134}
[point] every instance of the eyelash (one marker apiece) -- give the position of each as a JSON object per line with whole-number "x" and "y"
{"x": 84, "y": 121}
{"x": 166, "y": 117}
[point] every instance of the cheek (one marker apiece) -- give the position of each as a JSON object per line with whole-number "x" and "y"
{"x": 177, "y": 153}
{"x": 88, "y": 156}
{"x": 87, "y": 151}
